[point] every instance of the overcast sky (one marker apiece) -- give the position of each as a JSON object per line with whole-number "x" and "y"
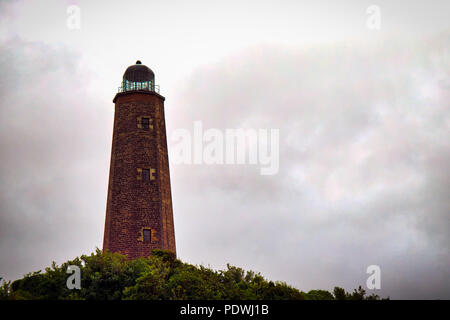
{"x": 364, "y": 124}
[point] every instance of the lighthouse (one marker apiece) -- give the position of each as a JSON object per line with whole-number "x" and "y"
{"x": 139, "y": 216}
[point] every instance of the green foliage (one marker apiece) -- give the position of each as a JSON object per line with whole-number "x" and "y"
{"x": 340, "y": 294}
{"x": 358, "y": 294}
{"x": 5, "y": 289}
{"x": 111, "y": 276}
{"x": 318, "y": 295}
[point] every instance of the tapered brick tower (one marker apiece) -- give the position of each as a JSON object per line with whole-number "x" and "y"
{"x": 139, "y": 214}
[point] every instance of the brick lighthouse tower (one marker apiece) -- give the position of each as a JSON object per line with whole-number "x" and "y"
{"x": 139, "y": 214}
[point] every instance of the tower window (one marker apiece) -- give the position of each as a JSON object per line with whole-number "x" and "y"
{"x": 145, "y": 123}
{"x": 146, "y": 174}
{"x": 147, "y": 235}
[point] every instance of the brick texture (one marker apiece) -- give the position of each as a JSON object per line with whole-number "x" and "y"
{"x": 134, "y": 203}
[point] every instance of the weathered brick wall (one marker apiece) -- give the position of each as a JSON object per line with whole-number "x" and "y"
{"x": 134, "y": 204}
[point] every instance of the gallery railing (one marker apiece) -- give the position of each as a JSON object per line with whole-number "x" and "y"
{"x": 138, "y": 86}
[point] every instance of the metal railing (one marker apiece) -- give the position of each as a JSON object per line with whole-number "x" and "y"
{"x": 138, "y": 86}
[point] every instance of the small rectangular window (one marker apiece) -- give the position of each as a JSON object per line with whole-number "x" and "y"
{"x": 146, "y": 174}
{"x": 145, "y": 123}
{"x": 147, "y": 235}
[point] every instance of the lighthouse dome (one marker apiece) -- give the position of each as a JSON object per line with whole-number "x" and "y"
{"x": 138, "y": 78}
{"x": 139, "y": 73}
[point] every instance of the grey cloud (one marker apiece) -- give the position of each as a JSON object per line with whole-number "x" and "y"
{"x": 54, "y": 139}
{"x": 363, "y": 165}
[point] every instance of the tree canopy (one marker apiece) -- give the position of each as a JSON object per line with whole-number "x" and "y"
{"x": 111, "y": 276}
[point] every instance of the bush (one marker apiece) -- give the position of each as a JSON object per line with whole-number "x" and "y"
{"x": 111, "y": 276}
